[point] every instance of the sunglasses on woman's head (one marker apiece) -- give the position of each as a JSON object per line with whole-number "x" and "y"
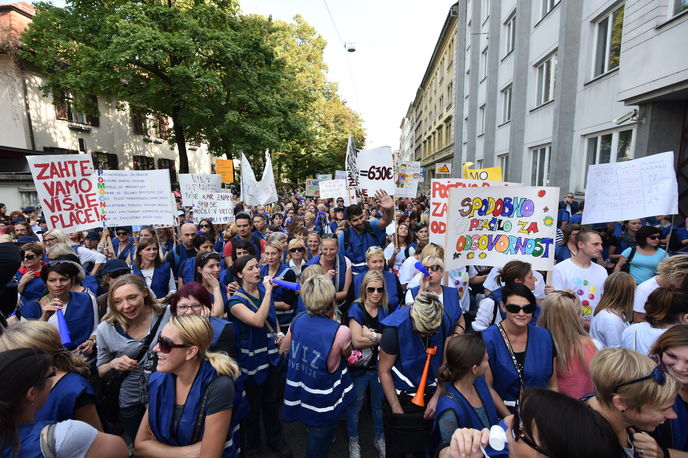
{"x": 658, "y": 374}
{"x": 205, "y": 255}
{"x": 294, "y": 250}
{"x": 515, "y": 308}
{"x": 371, "y": 290}
{"x": 166, "y": 345}
{"x": 54, "y": 263}
{"x": 565, "y": 293}
{"x": 517, "y": 432}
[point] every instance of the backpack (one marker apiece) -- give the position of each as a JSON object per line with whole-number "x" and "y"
{"x": 368, "y": 229}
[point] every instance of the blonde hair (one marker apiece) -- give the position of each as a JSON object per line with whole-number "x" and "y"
{"x": 35, "y": 248}
{"x": 314, "y": 269}
{"x": 612, "y": 367}
{"x": 296, "y": 243}
{"x": 371, "y": 276}
{"x": 309, "y": 216}
{"x": 374, "y": 251}
{"x": 46, "y": 338}
{"x": 4, "y": 238}
{"x": 672, "y": 268}
{"x": 427, "y": 312}
{"x": 59, "y": 235}
{"x": 196, "y": 331}
{"x": 432, "y": 249}
{"x": 432, "y": 260}
{"x": 279, "y": 236}
{"x": 425, "y": 219}
{"x": 318, "y": 295}
{"x": 274, "y": 243}
{"x": 619, "y": 295}
{"x": 561, "y": 316}
{"x": 231, "y": 232}
{"x": 113, "y": 316}
{"x": 61, "y": 249}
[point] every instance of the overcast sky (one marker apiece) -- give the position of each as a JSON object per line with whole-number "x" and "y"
{"x": 394, "y": 41}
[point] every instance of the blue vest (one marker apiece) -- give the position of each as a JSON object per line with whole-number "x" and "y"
{"x": 255, "y": 241}
{"x": 357, "y": 247}
{"x": 161, "y": 408}
{"x": 223, "y": 291}
{"x": 259, "y": 351}
{"x": 677, "y": 429}
{"x": 278, "y": 293}
{"x": 161, "y": 279}
{"x": 34, "y": 288}
{"x": 125, "y": 252}
{"x": 538, "y": 362}
{"x": 312, "y": 394}
{"x": 167, "y": 246}
{"x": 334, "y": 226}
{"x": 410, "y": 362}
{"x": 390, "y": 285}
{"x": 30, "y": 439}
{"x": 300, "y": 306}
{"x": 342, "y": 272}
{"x": 356, "y": 312}
{"x": 79, "y": 317}
{"x": 451, "y": 301}
{"x": 60, "y": 403}
{"x": 187, "y": 271}
{"x": 91, "y": 283}
{"x": 226, "y": 277}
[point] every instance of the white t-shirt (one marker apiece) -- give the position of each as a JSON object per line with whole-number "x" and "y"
{"x": 492, "y": 285}
{"x": 400, "y": 257}
{"x": 486, "y": 310}
{"x": 73, "y": 438}
{"x": 86, "y": 256}
{"x": 407, "y": 271}
{"x": 640, "y": 337}
{"x": 607, "y": 327}
{"x": 458, "y": 279}
{"x": 148, "y": 276}
{"x": 642, "y": 291}
{"x": 587, "y": 284}
{"x": 409, "y": 296}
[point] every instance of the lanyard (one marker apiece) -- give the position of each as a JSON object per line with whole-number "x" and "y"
{"x": 519, "y": 370}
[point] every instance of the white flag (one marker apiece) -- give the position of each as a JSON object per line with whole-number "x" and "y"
{"x": 255, "y": 192}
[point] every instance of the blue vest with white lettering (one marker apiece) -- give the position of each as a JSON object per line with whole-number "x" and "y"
{"x": 34, "y": 288}
{"x": 342, "y": 273}
{"x": 62, "y": 398}
{"x": 390, "y": 285}
{"x": 314, "y": 395}
{"x": 538, "y": 361}
{"x": 410, "y": 362}
{"x": 357, "y": 248}
{"x": 30, "y": 440}
{"x": 259, "y": 351}
{"x": 160, "y": 284}
{"x": 161, "y": 409}
{"x": 451, "y": 301}
{"x": 79, "y": 318}
{"x": 278, "y": 293}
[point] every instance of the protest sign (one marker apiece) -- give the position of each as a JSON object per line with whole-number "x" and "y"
{"x": 192, "y": 184}
{"x": 494, "y": 225}
{"x": 135, "y": 197}
{"x": 488, "y": 174}
{"x": 633, "y": 189}
{"x": 66, "y": 190}
{"x": 439, "y": 198}
{"x": 340, "y": 175}
{"x": 331, "y": 189}
{"x": 225, "y": 167}
{"x": 443, "y": 168}
{"x": 352, "y": 164}
{"x": 312, "y": 187}
{"x": 408, "y": 174}
{"x": 324, "y": 177}
{"x": 254, "y": 192}
{"x": 216, "y": 206}
{"x": 376, "y": 171}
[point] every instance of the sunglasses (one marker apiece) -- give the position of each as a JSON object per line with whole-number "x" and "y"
{"x": 517, "y": 432}
{"x": 54, "y": 263}
{"x": 515, "y": 308}
{"x": 371, "y": 290}
{"x": 30, "y": 257}
{"x": 184, "y": 308}
{"x": 204, "y": 226}
{"x": 658, "y": 374}
{"x": 601, "y": 230}
{"x": 294, "y": 250}
{"x": 205, "y": 255}
{"x": 166, "y": 345}
{"x": 53, "y": 373}
{"x": 434, "y": 267}
{"x": 122, "y": 233}
{"x": 653, "y": 237}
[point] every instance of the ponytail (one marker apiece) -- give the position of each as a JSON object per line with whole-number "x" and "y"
{"x": 223, "y": 364}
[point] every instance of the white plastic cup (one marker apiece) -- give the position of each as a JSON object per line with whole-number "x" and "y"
{"x": 497, "y": 437}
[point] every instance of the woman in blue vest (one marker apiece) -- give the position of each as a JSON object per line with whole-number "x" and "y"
{"x": 29, "y": 274}
{"x": 190, "y": 383}
{"x": 208, "y": 266}
{"x": 227, "y": 278}
{"x": 520, "y": 354}
{"x": 284, "y": 298}
{"x": 26, "y": 374}
{"x": 466, "y": 401}
{"x": 337, "y": 266}
{"x": 203, "y": 243}
{"x": 319, "y": 392}
{"x": 71, "y": 396}
{"x": 672, "y": 348}
{"x": 375, "y": 259}
{"x": 253, "y": 310}
{"x": 365, "y": 317}
{"x": 157, "y": 274}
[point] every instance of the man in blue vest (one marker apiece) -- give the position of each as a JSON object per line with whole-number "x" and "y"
{"x": 361, "y": 235}
{"x": 183, "y": 250}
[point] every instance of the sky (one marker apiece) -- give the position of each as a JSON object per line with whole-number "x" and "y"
{"x": 394, "y": 41}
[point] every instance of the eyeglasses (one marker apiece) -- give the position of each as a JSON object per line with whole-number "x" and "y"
{"x": 371, "y": 290}
{"x": 54, "y": 263}
{"x": 517, "y": 432}
{"x": 121, "y": 233}
{"x": 30, "y": 257}
{"x": 658, "y": 374}
{"x": 194, "y": 307}
{"x": 166, "y": 345}
{"x": 54, "y": 239}
{"x": 515, "y": 308}
{"x": 205, "y": 255}
{"x": 653, "y": 237}
{"x": 294, "y": 250}
{"x": 53, "y": 373}
{"x": 434, "y": 267}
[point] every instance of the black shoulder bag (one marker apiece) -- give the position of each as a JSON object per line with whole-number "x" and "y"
{"x": 627, "y": 265}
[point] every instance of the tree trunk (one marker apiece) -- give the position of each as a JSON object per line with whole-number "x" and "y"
{"x": 181, "y": 141}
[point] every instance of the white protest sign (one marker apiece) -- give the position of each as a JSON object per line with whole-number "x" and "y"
{"x": 340, "y": 175}
{"x": 439, "y": 198}
{"x": 67, "y": 191}
{"x": 408, "y": 174}
{"x": 192, "y": 184}
{"x": 376, "y": 171}
{"x": 217, "y": 206}
{"x": 254, "y": 192}
{"x": 351, "y": 164}
{"x": 494, "y": 225}
{"x": 324, "y": 176}
{"x": 632, "y": 189}
{"x": 331, "y": 189}
{"x": 136, "y": 197}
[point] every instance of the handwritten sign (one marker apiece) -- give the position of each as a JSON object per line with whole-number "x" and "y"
{"x": 352, "y": 164}
{"x": 632, "y": 189}
{"x": 331, "y": 189}
{"x": 255, "y": 192}
{"x": 494, "y": 225}
{"x": 225, "y": 167}
{"x": 216, "y": 206}
{"x": 443, "y": 168}
{"x": 327, "y": 176}
{"x": 376, "y": 171}
{"x": 439, "y": 199}
{"x": 67, "y": 190}
{"x": 312, "y": 187}
{"x": 488, "y": 174}
{"x": 192, "y": 184}
{"x": 408, "y": 174}
{"x": 340, "y": 175}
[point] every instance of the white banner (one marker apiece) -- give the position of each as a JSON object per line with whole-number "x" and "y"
{"x": 351, "y": 164}
{"x": 67, "y": 191}
{"x": 192, "y": 184}
{"x": 408, "y": 174}
{"x": 439, "y": 198}
{"x": 376, "y": 171}
{"x": 491, "y": 226}
{"x": 217, "y": 206}
{"x": 632, "y": 189}
{"x": 254, "y": 192}
{"x": 136, "y": 197}
{"x": 331, "y": 189}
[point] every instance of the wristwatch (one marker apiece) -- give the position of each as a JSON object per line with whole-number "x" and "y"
{"x": 374, "y": 338}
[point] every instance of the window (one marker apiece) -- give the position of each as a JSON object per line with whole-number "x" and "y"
{"x": 468, "y": 35}
{"x": 105, "y": 161}
{"x": 539, "y": 171}
{"x": 441, "y": 112}
{"x": 439, "y": 137}
{"x": 608, "y": 49}
{"x": 65, "y": 111}
{"x": 546, "y": 79}
{"x": 486, "y": 9}
{"x": 479, "y": 164}
{"x": 506, "y": 104}
{"x": 150, "y": 125}
{"x": 547, "y": 6}
{"x": 465, "y": 130}
{"x": 483, "y": 64}
{"x": 447, "y": 133}
{"x": 450, "y": 55}
{"x": 481, "y": 118}
{"x": 510, "y": 35}
{"x": 467, "y": 83}
{"x": 169, "y": 165}
{"x": 450, "y": 94}
{"x": 610, "y": 147}
{"x": 680, "y": 6}
{"x": 504, "y": 164}
{"x": 144, "y": 163}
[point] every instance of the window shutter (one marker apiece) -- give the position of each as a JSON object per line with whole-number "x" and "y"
{"x": 90, "y": 119}
{"x": 113, "y": 162}
{"x": 151, "y": 163}
{"x": 137, "y": 122}
{"x": 60, "y": 105}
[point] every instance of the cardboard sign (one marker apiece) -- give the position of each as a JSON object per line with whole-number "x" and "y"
{"x": 312, "y": 187}
{"x": 376, "y": 171}
{"x": 254, "y": 192}
{"x": 67, "y": 191}
{"x": 439, "y": 198}
{"x": 225, "y": 167}
{"x": 216, "y": 206}
{"x": 351, "y": 164}
{"x": 340, "y": 175}
{"x": 408, "y": 174}
{"x": 192, "y": 184}
{"x": 494, "y": 225}
{"x": 324, "y": 177}
{"x": 135, "y": 197}
{"x": 632, "y": 189}
{"x": 488, "y": 174}
{"x": 331, "y": 189}
{"x": 443, "y": 168}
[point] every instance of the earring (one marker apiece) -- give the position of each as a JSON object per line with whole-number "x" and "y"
{"x": 623, "y": 411}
